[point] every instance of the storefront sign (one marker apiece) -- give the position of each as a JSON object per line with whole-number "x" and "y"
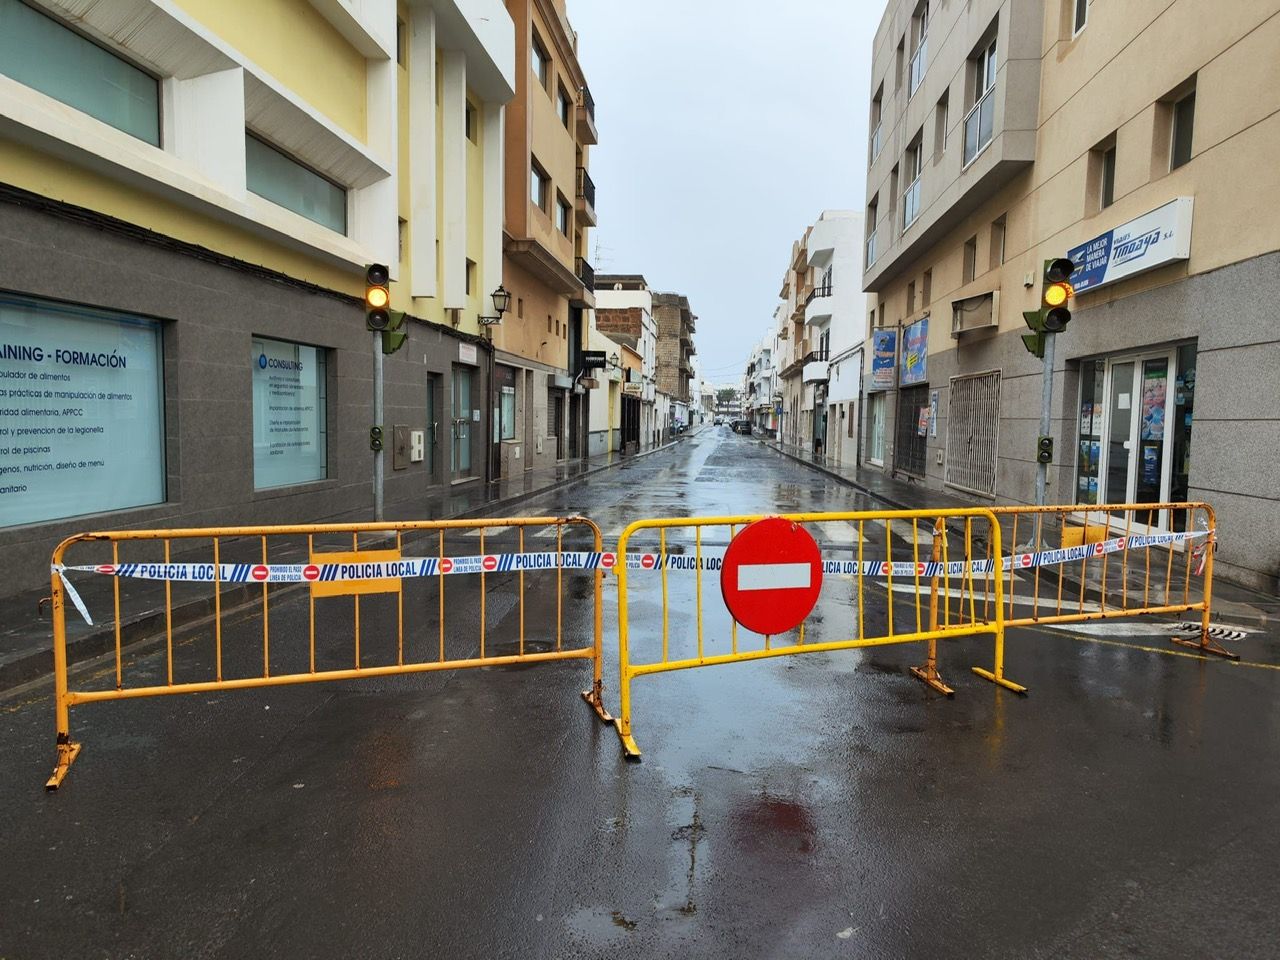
{"x": 288, "y": 413}
{"x": 466, "y": 353}
{"x": 933, "y": 413}
{"x": 884, "y": 355}
{"x": 915, "y": 353}
{"x": 632, "y": 388}
{"x": 1153, "y": 240}
{"x": 81, "y": 412}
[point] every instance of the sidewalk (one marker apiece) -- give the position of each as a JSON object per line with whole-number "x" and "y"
{"x": 1231, "y": 603}
{"x": 26, "y": 638}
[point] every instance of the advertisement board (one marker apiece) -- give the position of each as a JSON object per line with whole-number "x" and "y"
{"x": 289, "y": 428}
{"x": 915, "y": 353}
{"x": 884, "y": 357}
{"x": 81, "y": 411}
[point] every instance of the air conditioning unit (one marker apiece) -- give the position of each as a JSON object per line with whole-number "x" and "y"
{"x": 981, "y": 312}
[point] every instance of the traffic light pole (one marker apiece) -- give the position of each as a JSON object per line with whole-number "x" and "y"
{"x": 378, "y": 466}
{"x": 1046, "y": 406}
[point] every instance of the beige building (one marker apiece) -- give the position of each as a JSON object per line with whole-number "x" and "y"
{"x": 550, "y": 205}
{"x": 1136, "y": 138}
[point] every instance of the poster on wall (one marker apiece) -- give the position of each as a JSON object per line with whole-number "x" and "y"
{"x": 81, "y": 412}
{"x": 933, "y": 413}
{"x": 884, "y": 356}
{"x": 915, "y": 353}
{"x": 1154, "y": 394}
{"x": 288, "y": 413}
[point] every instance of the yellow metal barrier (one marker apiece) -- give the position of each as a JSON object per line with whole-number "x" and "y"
{"x": 333, "y": 561}
{"x": 924, "y": 580}
{"x": 1100, "y": 562}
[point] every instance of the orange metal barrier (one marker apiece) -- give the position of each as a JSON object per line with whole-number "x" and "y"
{"x": 906, "y": 581}
{"x": 357, "y": 561}
{"x": 1100, "y": 562}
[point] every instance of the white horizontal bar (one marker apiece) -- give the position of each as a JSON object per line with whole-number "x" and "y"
{"x": 774, "y": 576}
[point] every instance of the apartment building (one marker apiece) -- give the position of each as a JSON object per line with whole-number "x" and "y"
{"x": 190, "y": 193}
{"x": 1136, "y": 139}
{"x": 676, "y": 325}
{"x": 624, "y": 314}
{"x": 550, "y": 206}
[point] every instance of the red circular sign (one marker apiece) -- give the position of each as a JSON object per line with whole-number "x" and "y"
{"x": 489, "y": 563}
{"x": 647, "y": 561}
{"x": 606, "y": 560}
{"x": 311, "y": 572}
{"x": 446, "y": 565}
{"x": 259, "y": 572}
{"x": 105, "y": 568}
{"x": 771, "y": 576}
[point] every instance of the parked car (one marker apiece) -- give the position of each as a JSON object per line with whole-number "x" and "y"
{"x": 719, "y": 421}
{"x": 742, "y": 426}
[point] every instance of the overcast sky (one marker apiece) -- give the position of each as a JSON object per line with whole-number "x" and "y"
{"x": 726, "y": 127}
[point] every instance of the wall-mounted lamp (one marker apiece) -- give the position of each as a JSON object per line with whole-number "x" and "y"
{"x": 615, "y": 362}
{"x": 501, "y": 301}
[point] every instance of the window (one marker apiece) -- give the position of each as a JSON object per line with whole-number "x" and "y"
{"x": 564, "y": 106}
{"x": 564, "y": 215}
{"x": 402, "y": 42}
{"x": 520, "y": 307}
{"x": 926, "y": 288}
{"x": 1080, "y": 16}
{"x": 970, "y": 267}
{"x": 941, "y": 120}
{"x": 1107, "y": 195}
{"x": 402, "y": 234}
{"x": 105, "y": 454}
{"x": 997, "y": 241}
{"x": 281, "y": 179}
{"x": 915, "y": 164}
{"x": 877, "y": 109}
{"x": 471, "y": 277}
{"x": 471, "y": 123}
{"x": 920, "y": 50}
{"x": 539, "y": 186}
{"x": 541, "y": 62}
{"x": 1184, "y": 118}
{"x": 893, "y": 196}
{"x": 507, "y": 412}
{"x": 289, "y": 413}
{"x": 980, "y": 120}
{"x": 872, "y": 211}
{"x": 38, "y": 51}
{"x": 898, "y": 62}
{"x": 911, "y": 297}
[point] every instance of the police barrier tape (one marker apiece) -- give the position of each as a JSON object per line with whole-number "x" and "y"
{"x": 410, "y": 567}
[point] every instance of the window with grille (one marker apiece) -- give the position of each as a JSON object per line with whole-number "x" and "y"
{"x": 973, "y": 422}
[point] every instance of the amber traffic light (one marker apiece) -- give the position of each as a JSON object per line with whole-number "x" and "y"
{"x": 1056, "y": 292}
{"x": 377, "y": 296}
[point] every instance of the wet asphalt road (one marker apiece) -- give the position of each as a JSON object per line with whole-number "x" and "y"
{"x": 820, "y": 806}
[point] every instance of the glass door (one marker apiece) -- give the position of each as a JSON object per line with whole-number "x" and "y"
{"x": 876, "y": 452}
{"x": 462, "y": 416}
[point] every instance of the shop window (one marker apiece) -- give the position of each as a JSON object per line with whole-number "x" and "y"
{"x": 83, "y": 411}
{"x": 290, "y": 422}
{"x": 277, "y": 177}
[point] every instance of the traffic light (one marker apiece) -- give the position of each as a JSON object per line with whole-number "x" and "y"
{"x": 1034, "y": 341}
{"x": 396, "y": 333}
{"x": 375, "y": 439}
{"x": 377, "y": 296}
{"x": 1044, "y": 450}
{"x": 1055, "y": 293}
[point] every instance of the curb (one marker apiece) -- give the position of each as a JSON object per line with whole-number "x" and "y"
{"x": 148, "y": 624}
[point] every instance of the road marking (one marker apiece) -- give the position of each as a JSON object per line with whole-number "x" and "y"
{"x": 1163, "y": 650}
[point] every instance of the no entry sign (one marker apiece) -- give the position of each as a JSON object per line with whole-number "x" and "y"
{"x": 771, "y": 576}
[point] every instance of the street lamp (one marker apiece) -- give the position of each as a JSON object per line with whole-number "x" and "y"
{"x": 614, "y": 360}
{"x": 501, "y": 301}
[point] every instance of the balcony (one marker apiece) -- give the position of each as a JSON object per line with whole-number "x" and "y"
{"x": 586, "y": 297}
{"x": 911, "y": 203}
{"x": 979, "y": 124}
{"x": 809, "y": 366}
{"x": 818, "y": 304}
{"x": 586, "y": 125}
{"x": 585, "y": 207}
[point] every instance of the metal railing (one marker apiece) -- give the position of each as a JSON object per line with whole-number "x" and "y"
{"x": 588, "y": 102}
{"x": 586, "y": 187}
{"x": 345, "y": 602}
{"x": 585, "y": 273}
{"x": 821, "y": 291}
{"x": 978, "y": 126}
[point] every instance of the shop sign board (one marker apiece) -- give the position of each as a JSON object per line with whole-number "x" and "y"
{"x": 915, "y": 353}
{"x": 884, "y": 355}
{"x": 1152, "y": 240}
